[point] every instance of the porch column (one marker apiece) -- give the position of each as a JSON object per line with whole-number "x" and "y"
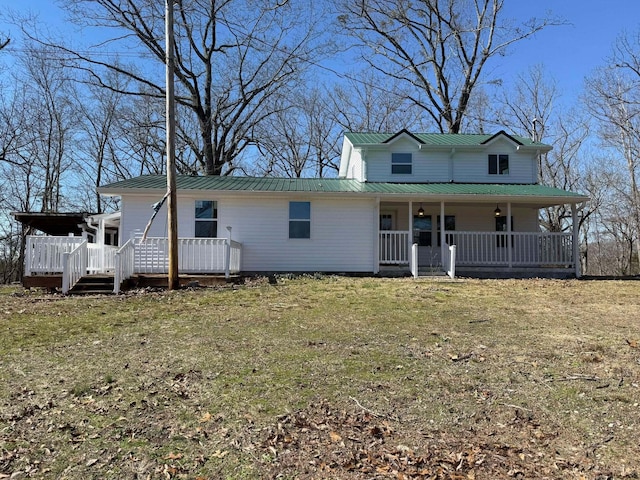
{"x": 376, "y": 239}
{"x": 509, "y": 236}
{"x": 576, "y": 249}
{"x": 443, "y": 251}
{"x": 410, "y": 235}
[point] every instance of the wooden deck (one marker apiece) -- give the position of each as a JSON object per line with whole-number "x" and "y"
{"x": 54, "y": 282}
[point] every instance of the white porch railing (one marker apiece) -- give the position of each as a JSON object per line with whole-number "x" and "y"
{"x": 195, "y": 255}
{"x": 534, "y": 249}
{"x": 43, "y": 255}
{"x": 123, "y": 265}
{"x": 394, "y": 247}
{"x": 74, "y": 266}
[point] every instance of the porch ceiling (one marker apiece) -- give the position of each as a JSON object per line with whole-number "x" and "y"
{"x": 56, "y": 224}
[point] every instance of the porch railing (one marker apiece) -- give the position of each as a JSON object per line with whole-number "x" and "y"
{"x": 535, "y": 249}
{"x": 44, "y": 255}
{"x": 195, "y": 255}
{"x": 394, "y": 247}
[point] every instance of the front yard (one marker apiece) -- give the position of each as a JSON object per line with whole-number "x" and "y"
{"x": 327, "y": 377}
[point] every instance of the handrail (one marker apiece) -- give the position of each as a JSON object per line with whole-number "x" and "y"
{"x": 123, "y": 264}
{"x": 74, "y": 266}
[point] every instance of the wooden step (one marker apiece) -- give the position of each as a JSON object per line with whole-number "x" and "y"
{"x": 94, "y": 284}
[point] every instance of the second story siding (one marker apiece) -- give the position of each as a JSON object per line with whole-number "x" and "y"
{"x": 475, "y": 159}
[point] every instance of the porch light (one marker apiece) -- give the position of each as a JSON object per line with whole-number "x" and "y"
{"x": 497, "y": 211}
{"x": 421, "y": 211}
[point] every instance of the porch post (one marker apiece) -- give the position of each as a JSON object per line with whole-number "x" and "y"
{"x": 442, "y": 235}
{"x": 376, "y": 238}
{"x": 509, "y": 236}
{"x": 410, "y": 235}
{"x": 574, "y": 242}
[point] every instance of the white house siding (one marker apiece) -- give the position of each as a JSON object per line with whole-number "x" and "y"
{"x": 137, "y": 211}
{"x": 444, "y": 165}
{"x": 473, "y": 167}
{"x": 342, "y": 234}
{"x": 427, "y": 166}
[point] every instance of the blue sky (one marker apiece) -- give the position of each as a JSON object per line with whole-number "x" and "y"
{"x": 571, "y": 52}
{"x": 568, "y": 53}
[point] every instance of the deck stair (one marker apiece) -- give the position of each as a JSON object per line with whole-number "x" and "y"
{"x": 93, "y": 284}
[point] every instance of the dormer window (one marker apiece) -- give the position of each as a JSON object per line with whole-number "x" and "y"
{"x": 401, "y": 163}
{"x": 498, "y": 164}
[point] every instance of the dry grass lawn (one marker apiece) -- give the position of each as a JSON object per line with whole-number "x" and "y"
{"x": 327, "y": 377}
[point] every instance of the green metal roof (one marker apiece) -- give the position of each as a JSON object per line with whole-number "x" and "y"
{"x": 334, "y": 185}
{"x": 436, "y": 139}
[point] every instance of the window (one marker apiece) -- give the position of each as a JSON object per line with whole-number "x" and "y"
{"x": 449, "y": 224}
{"x": 206, "y": 219}
{"x": 299, "y": 219}
{"x": 401, "y": 163}
{"x": 498, "y": 164}
{"x": 386, "y": 221}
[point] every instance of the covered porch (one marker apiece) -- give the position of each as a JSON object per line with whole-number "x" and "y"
{"x": 492, "y": 235}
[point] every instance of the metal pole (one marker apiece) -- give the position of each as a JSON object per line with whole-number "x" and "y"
{"x": 172, "y": 210}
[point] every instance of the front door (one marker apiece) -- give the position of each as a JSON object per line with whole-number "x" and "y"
{"x": 428, "y": 254}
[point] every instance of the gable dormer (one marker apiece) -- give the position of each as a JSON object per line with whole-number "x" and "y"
{"x": 405, "y": 157}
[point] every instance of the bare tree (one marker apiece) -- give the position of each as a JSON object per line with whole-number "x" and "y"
{"x": 529, "y": 109}
{"x": 371, "y": 102}
{"x": 438, "y": 48}
{"x": 232, "y": 57}
{"x": 614, "y": 100}
{"x": 299, "y": 139}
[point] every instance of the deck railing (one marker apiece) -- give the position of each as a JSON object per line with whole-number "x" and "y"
{"x": 101, "y": 257}
{"x": 74, "y": 266}
{"x": 195, "y": 255}
{"x": 394, "y": 247}
{"x": 535, "y": 249}
{"x": 44, "y": 255}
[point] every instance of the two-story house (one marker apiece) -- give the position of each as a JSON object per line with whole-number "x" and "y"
{"x": 479, "y": 193}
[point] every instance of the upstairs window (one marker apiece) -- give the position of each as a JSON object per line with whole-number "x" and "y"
{"x": 206, "y": 219}
{"x": 299, "y": 219}
{"x": 401, "y": 163}
{"x": 498, "y": 164}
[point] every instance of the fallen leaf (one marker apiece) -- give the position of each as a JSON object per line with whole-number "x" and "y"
{"x": 205, "y": 418}
{"x": 219, "y": 454}
{"x": 173, "y": 456}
